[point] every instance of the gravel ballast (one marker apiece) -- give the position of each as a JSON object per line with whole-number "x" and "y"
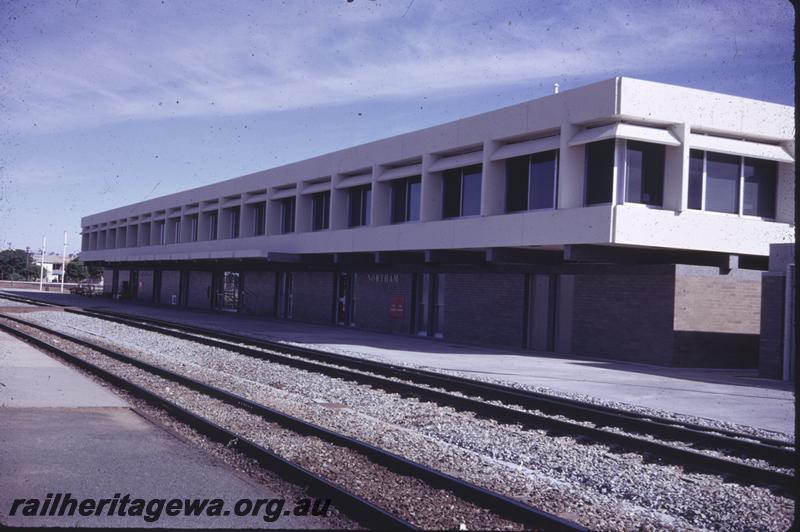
{"x": 590, "y": 483}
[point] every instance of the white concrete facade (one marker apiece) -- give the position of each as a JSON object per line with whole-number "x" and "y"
{"x": 627, "y": 110}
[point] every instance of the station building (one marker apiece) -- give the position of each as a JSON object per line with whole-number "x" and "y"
{"x": 623, "y": 219}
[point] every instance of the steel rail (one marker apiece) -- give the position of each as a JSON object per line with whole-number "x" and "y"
{"x": 779, "y": 455}
{"x": 499, "y": 504}
{"x": 689, "y": 459}
{"x": 355, "y": 507}
{"x": 756, "y": 446}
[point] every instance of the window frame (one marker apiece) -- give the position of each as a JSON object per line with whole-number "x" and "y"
{"x": 740, "y": 182}
{"x": 447, "y": 175}
{"x": 626, "y": 184}
{"x": 288, "y": 206}
{"x": 364, "y": 193}
{"x": 405, "y": 183}
{"x": 528, "y": 164}
{"x": 325, "y": 197}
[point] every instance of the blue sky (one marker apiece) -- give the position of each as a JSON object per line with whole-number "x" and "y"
{"x": 107, "y": 103}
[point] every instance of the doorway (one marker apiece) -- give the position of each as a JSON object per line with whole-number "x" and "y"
{"x": 542, "y": 309}
{"x": 428, "y": 296}
{"x": 345, "y": 299}
{"x": 283, "y": 295}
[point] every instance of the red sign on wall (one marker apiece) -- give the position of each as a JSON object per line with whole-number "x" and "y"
{"x": 397, "y": 306}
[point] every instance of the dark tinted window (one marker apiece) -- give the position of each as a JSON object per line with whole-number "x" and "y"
{"x": 451, "y": 204}
{"x": 599, "y": 171}
{"x": 759, "y": 187}
{"x": 234, "y": 214}
{"x": 695, "y": 180}
{"x": 644, "y": 163}
{"x": 471, "y": 191}
{"x": 212, "y": 226}
{"x": 320, "y": 210}
{"x": 399, "y": 200}
{"x": 405, "y": 199}
{"x": 414, "y": 192}
{"x": 722, "y": 183}
{"x": 462, "y": 192}
{"x": 517, "y": 170}
{"x": 359, "y": 205}
{"x": 287, "y": 215}
{"x": 542, "y": 187}
{"x": 259, "y": 218}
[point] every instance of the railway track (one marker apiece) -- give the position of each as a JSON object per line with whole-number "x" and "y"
{"x": 473, "y": 396}
{"x": 355, "y": 506}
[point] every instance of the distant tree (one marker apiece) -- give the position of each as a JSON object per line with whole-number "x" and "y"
{"x": 80, "y": 271}
{"x": 17, "y": 265}
{"x": 76, "y": 271}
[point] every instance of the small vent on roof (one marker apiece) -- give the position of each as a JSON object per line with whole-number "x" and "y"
{"x": 555, "y": 88}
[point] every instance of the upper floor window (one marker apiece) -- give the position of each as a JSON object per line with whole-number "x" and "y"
{"x": 234, "y": 215}
{"x": 193, "y": 228}
{"x": 406, "y": 199}
{"x": 359, "y": 205}
{"x": 287, "y": 215}
{"x": 320, "y": 210}
{"x": 532, "y": 181}
{"x": 212, "y": 225}
{"x": 176, "y": 230}
{"x": 259, "y": 218}
{"x": 162, "y": 232}
{"x": 720, "y": 183}
{"x": 600, "y": 172}
{"x": 644, "y": 172}
{"x": 462, "y": 192}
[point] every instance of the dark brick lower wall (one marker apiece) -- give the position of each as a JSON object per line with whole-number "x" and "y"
{"x": 375, "y": 293}
{"x": 198, "y": 291}
{"x": 145, "y": 289}
{"x": 770, "y": 349}
{"x": 626, "y": 317}
{"x": 170, "y": 286}
{"x": 259, "y": 292}
{"x": 484, "y": 308}
{"x": 703, "y": 349}
{"x": 312, "y": 297}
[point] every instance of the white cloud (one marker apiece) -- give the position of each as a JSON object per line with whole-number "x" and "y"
{"x": 104, "y": 63}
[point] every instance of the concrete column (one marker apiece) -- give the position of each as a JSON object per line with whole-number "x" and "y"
{"x": 784, "y": 206}
{"x": 302, "y": 212}
{"x": 273, "y": 217}
{"x": 339, "y": 204}
{"x": 676, "y": 171}
{"x": 570, "y": 170}
{"x": 618, "y": 179}
{"x": 381, "y": 199}
{"x": 493, "y": 183}
{"x": 431, "y": 193}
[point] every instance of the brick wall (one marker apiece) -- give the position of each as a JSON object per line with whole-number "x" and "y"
{"x": 145, "y": 291}
{"x": 719, "y": 303}
{"x": 484, "y": 308}
{"x": 770, "y": 354}
{"x": 199, "y": 286}
{"x": 259, "y": 292}
{"x": 717, "y": 320}
{"x": 374, "y": 293}
{"x": 170, "y": 286}
{"x": 312, "y": 297}
{"x": 626, "y": 317}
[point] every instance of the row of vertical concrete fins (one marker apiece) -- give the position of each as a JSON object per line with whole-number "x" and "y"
{"x": 659, "y": 314}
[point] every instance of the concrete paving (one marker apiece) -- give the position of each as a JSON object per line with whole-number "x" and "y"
{"x": 64, "y": 433}
{"x": 732, "y": 395}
